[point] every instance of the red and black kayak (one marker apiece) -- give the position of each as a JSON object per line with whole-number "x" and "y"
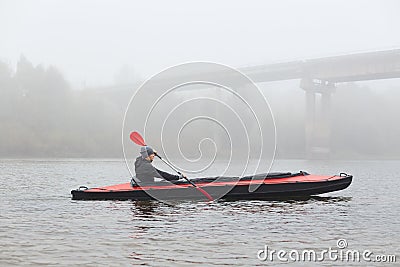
{"x": 265, "y": 187}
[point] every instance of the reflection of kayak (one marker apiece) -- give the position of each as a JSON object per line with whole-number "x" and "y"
{"x": 261, "y": 186}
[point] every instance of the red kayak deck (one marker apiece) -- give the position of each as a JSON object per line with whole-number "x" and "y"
{"x": 295, "y": 179}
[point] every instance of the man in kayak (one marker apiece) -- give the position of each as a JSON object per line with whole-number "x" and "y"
{"x": 146, "y": 172}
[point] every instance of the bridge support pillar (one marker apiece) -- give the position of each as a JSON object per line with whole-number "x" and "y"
{"x": 318, "y": 117}
{"x": 309, "y": 121}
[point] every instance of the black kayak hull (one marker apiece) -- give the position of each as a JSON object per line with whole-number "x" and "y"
{"x": 264, "y": 191}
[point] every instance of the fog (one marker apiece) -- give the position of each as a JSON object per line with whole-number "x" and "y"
{"x": 69, "y": 68}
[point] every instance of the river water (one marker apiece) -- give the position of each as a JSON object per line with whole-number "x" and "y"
{"x": 41, "y": 225}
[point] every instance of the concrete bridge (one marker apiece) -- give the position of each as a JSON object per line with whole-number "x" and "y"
{"x": 320, "y": 76}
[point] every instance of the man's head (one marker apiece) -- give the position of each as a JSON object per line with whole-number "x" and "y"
{"x": 147, "y": 153}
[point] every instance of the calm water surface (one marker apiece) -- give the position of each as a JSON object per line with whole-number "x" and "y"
{"x": 41, "y": 225}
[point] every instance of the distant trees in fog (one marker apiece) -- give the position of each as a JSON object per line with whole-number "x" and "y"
{"x": 41, "y": 116}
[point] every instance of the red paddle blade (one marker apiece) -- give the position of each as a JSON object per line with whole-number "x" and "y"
{"x": 137, "y": 138}
{"x": 205, "y": 193}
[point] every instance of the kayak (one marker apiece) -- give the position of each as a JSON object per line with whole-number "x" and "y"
{"x": 269, "y": 186}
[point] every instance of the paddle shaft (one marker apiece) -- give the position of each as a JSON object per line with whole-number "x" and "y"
{"x": 207, "y": 195}
{"x": 184, "y": 177}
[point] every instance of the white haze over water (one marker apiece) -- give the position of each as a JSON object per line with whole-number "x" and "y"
{"x": 91, "y": 41}
{"x": 48, "y": 49}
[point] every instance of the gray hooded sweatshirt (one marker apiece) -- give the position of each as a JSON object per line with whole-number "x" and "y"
{"x": 146, "y": 172}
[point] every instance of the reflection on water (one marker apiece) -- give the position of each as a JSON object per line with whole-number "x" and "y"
{"x": 229, "y": 227}
{"x": 331, "y": 199}
{"x": 144, "y": 208}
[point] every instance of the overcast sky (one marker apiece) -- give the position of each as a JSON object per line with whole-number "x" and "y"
{"x": 91, "y": 40}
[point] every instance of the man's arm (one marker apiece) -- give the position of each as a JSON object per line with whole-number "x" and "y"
{"x": 167, "y": 176}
